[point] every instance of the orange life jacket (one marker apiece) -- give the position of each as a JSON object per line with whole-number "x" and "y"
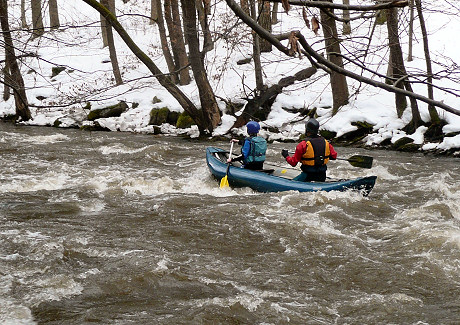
{"x": 317, "y": 153}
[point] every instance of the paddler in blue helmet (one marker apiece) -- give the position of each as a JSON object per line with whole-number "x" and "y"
{"x": 313, "y": 153}
{"x": 253, "y": 148}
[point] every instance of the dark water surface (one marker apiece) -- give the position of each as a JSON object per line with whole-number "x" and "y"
{"x": 117, "y": 228}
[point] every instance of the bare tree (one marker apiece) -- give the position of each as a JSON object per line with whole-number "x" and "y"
{"x": 256, "y": 50}
{"x": 110, "y": 5}
{"x": 164, "y": 40}
{"x": 265, "y": 21}
{"x": 411, "y": 30}
{"x": 203, "y": 9}
{"x": 319, "y": 61}
{"x": 23, "y": 15}
{"x": 154, "y": 5}
{"x": 37, "y": 19}
{"x": 398, "y": 71}
{"x": 346, "y": 27}
{"x": 173, "y": 21}
{"x": 54, "y": 14}
{"x": 396, "y": 66}
{"x": 208, "y": 101}
{"x": 15, "y": 81}
{"x": 432, "y": 110}
{"x": 198, "y": 115}
{"x": 275, "y": 13}
{"x": 7, "y": 77}
{"x": 105, "y": 41}
{"x": 245, "y": 6}
{"x": 339, "y": 84}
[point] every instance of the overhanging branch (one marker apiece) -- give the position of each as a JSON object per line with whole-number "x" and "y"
{"x": 319, "y": 61}
{"x": 331, "y": 5}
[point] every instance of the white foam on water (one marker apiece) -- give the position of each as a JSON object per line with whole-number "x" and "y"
{"x": 92, "y": 206}
{"x": 55, "y": 288}
{"x": 119, "y": 148}
{"x": 49, "y": 181}
{"x": 390, "y": 299}
{"x": 195, "y": 182}
{"x": 11, "y": 257}
{"x": 37, "y": 139}
{"x": 13, "y": 313}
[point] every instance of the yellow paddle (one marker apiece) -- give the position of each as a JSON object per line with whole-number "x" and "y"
{"x": 224, "y": 180}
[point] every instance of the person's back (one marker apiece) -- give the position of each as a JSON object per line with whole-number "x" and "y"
{"x": 313, "y": 153}
{"x": 253, "y": 148}
{"x": 253, "y": 151}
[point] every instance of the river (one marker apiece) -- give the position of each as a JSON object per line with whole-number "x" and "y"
{"x": 119, "y": 228}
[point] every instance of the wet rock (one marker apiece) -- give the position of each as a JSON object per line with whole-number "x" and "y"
{"x": 56, "y": 70}
{"x": 402, "y": 142}
{"x": 110, "y": 111}
{"x": 158, "y": 116}
{"x": 184, "y": 121}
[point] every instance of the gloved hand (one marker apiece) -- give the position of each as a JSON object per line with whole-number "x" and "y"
{"x": 284, "y": 153}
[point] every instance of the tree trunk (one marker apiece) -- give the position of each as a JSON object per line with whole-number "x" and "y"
{"x": 397, "y": 65}
{"x": 7, "y": 77}
{"x": 346, "y": 27}
{"x": 432, "y": 110}
{"x": 164, "y": 41}
{"x": 23, "y": 15}
{"x": 37, "y": 20}
{"x": 54, "y": 14}
{"x": 256, "y": 51}
{"x": 339, "y": 85}
{"x": 17, "y": 83}
{"x": 176, "y": 36}
{"x": 208, "y": 101}
{"x": 164, "y": 80}
{"x": 245, "y": 6}
{"x": 105, "y": 41}
{"x": 203, "y": 19}
{"x": 411, "y": 29}
{"x": 110, "y": 5}
{"x": 154, "y": 5}
{"x": 265, "y": 20}
{"x": 275, "y": 13}
{"x": 259, "y": 107}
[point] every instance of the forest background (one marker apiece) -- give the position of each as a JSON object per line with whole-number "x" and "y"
{"x": 374, "y": 73}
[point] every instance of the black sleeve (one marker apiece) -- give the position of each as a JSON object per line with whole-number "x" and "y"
{"x": 241, "y": 142}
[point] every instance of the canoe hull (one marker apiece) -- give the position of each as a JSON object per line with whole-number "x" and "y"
{"x": 269, "y": 182}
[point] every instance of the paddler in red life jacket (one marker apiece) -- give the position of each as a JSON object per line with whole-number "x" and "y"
{"x": 314, "y": 153}
{"x": 253, "y": 150}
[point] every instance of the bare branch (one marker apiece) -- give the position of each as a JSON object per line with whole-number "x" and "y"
{"x": 319, "y": 61}
{"x": 331, "y": 5}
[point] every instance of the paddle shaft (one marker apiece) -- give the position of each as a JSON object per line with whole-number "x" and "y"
{"x": 230, "y": 157}
{"x": 356, "y": 160}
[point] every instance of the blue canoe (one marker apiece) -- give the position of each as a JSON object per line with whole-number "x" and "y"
{"x": 278, "y": 179}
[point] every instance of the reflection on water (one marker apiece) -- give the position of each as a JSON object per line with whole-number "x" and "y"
{"x": 117, "y": 228}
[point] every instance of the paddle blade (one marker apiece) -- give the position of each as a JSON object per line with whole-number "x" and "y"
{"x": 361, "y": 161}
{"x": 224, "y": 182}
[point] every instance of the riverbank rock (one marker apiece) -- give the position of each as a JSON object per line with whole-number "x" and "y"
{"x": 158, "y": 116}
{"x": 110, "y": 111}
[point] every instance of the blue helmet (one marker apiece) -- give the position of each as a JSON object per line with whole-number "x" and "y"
{"x": 253, "y": 127}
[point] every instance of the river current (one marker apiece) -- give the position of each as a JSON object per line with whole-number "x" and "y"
{"x": 119, "y": 228}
